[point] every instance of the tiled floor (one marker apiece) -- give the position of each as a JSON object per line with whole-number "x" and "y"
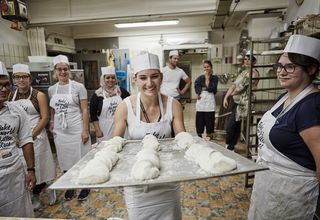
{"x": 216, "y": 198}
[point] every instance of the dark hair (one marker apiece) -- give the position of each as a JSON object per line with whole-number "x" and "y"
{"x": 305, "y": 62}
{"x": 208, "y": 62}
{"x": 254, "y": 59}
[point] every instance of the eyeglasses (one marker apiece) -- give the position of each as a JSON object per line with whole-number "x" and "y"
{"x": 62, "y": 69}
{"x": 5, "y": 85}
{"x": 21, "y": 77}
{"x": 289, "y": 67}
{"x": 110, "y": 77}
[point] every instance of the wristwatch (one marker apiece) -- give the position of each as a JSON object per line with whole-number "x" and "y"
{"x": 31, "y": 169}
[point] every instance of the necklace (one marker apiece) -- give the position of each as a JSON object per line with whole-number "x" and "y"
{"x": 145, "y": 113}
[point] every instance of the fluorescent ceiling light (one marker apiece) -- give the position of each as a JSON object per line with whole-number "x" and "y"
{"x": 146, "y": 24}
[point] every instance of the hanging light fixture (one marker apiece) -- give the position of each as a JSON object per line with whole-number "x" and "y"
{"x": 147, "y": 23}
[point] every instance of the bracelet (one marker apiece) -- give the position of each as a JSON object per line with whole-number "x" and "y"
{"x": 31, "y": 169}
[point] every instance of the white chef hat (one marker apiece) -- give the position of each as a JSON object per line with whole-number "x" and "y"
{"x": 173, "y": 53}
{"x": 253, "y": 53}
{"x": 144, "y": 62}
{"x": 60, "y": 59}
{"x": 3, "y": 70}
{"x": 304, "y": 45}
{"x": 20, "y": 68}
{"x": 108, "y": 70}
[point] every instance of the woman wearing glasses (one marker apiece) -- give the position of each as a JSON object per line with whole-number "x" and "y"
{"x": 289, "y": 139}
{"x": 35, "y": 103}
{"x": 104, "y": 102}
{"x": 69, "y": 120}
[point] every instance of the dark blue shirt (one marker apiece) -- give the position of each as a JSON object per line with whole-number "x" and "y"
{"x": 284, "y": 135}
{"x": 200, "y": 83}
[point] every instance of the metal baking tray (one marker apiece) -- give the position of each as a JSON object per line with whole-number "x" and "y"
{"x": 174, "y": 167}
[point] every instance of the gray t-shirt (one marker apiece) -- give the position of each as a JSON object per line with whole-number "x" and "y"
{"x": 78, "y": 91}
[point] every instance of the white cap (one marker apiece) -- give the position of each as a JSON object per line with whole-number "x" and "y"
{"x": 108, "y": 70}
{"x": 3, "y": 70}
{"x": 253, "y": 53}
{"x": 173, "y": 53}
{"x": 20, "y": 68}
{"x": 304, "y": 45}
{"x": 144, "y": 62}
{"x": 60, "y": 59}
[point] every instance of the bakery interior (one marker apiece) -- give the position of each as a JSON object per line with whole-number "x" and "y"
{"x": 34, "y": 31}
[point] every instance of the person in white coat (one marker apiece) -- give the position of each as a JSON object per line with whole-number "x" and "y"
{"x": 69, "y": 122}
{"x": 150, "y": 112}
{"x": 16, "y": 179}
{"x": 35, "y": 103}
{"x": 289, "y": 139}
{"x": 104, "y": 102}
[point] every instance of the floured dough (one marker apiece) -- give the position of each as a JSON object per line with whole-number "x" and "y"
{"x": 144, "y": 170}
{"x": 115, "y": 144}
{"x": 149, "y": 155}
{"x": 209, "y": 160}
{"x": 94, "y": 172}
{"x": 150, "y": 141}
{"x": 184, "y": 140}
{"x": 109, "y": 158}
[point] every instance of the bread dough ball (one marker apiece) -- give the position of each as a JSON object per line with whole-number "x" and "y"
{"x": 149, "y": 154}
{"x": 108, "y": 157}
{"x": 150, "y": 141}
{"x": 144, "y": 170}
{"x": 118, "y": 140}
{"x": 184, "y": 140}
{"x": 94, "y": 172}
{"x": 115, "y": 144}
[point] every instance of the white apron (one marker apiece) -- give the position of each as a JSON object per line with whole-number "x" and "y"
{"x": 67, "y": 130}
{"x": 106, "y": 118}
{"x": 207, "y": 102}
{"x": 44, "y": 163}
{"x": 16, "y": 201}
{"x": 288, "y": 190}
{"x": 152, "y": 202}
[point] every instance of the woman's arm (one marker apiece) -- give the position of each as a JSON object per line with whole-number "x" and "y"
{"x": 28, "y": 154}
{"x": 312, "y": 139}
{"x": 228, "y": 94}
{"x": 213, "y": 84}
{"x": 44, "y": 114}
{"x": 177, "y": 114}
{"x": 85, "y": 119}
{"x": 51, "y": 124}
{"x": 120, "y": 120}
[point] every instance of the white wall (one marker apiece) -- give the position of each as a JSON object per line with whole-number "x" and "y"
{"x": 260, "y": 28}
{"x": 308, "y": 7}
{"x": 14, "y": 46}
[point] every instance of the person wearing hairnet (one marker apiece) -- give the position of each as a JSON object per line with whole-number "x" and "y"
{"x": 240, "y": 94}
{"x": 69, "y": 120}
{"x": 104, "y": 102}
{"x": 15, "y": 179}
{"x": 150, "y": 112}
{"x": 172, "y": 75}
{"x": 35, "y": 104}
{"x": 289, "y": 139}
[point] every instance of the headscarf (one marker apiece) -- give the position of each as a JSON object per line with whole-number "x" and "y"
{"x": 104, "y": 90}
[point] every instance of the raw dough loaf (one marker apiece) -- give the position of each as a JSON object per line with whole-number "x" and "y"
{"x": 94, "y": 172}
{"x": 150, "y": 141}
{"x": 209, "y": 160}
{"x": 184, "y": 140}
{"x": 115, "y": 144}
{"x": 107, "y": 157}
{"x": 144, "y": 170}
{"x": 149, "y": 154}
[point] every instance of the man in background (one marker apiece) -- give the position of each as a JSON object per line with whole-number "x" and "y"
{"x": 172, "y": 75}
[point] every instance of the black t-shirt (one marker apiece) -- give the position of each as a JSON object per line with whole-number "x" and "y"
{"x": 284, "y": 135}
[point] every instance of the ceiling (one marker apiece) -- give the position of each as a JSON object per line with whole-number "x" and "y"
{"x": 84, "y": 17}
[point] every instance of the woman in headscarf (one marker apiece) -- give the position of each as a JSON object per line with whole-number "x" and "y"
{"x": 35, "y": 103}
{"x": 69, "y": 120}
{"x": 150, "y": 112}
{"x": 104, "y": 102}
{"x": 289, "y": 139}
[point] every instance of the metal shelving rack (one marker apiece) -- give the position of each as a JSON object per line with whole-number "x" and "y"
{"x": 253, "y": 118}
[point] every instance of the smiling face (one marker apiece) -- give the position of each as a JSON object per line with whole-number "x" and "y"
{"x": 110, "y": 80}
{"x": 295, "y": 77}
{"x": 4, "y": 89}
{"x": 149, "y": 81}
{"x": 62, "y": 71}
{"x": 173, "y": 60}
{"x": 207, "y": 68}
{"x": 22, "y": 80}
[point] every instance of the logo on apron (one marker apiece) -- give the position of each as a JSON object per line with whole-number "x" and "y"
{"x": 112, "y": 108}
{"x": 61, "y": 106}
{"x": 6, "y": 137}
